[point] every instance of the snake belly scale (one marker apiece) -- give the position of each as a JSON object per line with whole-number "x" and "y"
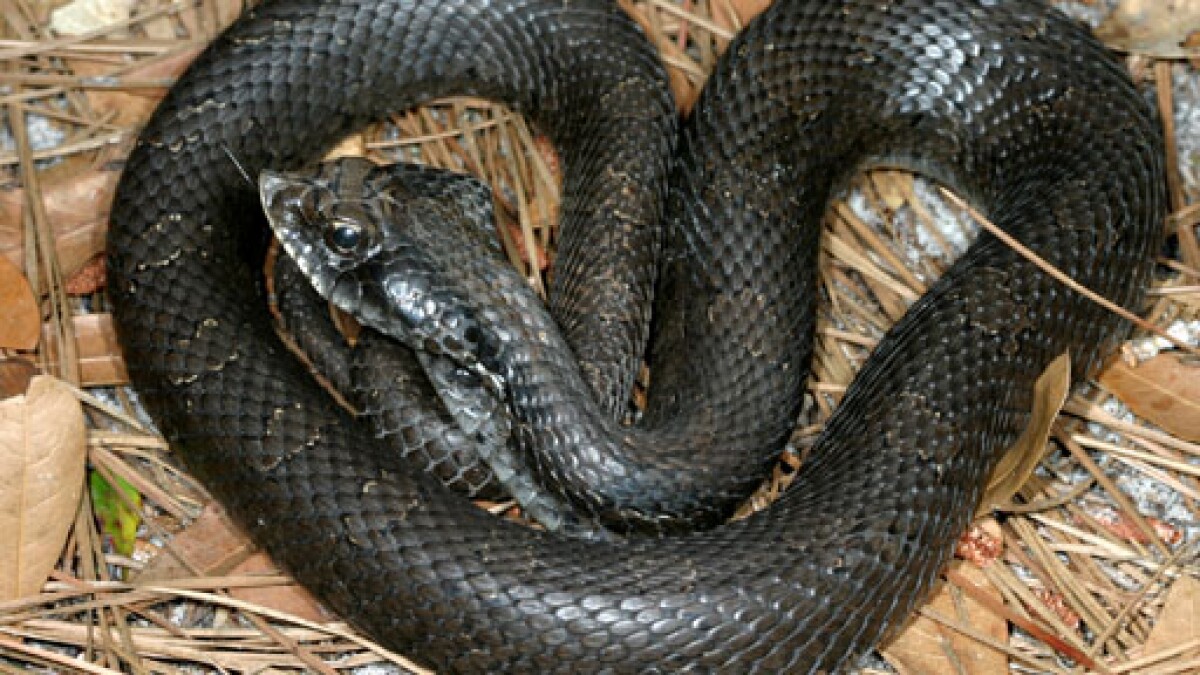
{"x": 1008, "y": 101}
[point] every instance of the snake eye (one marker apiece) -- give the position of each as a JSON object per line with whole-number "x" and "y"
{"x": 345, "y": 237}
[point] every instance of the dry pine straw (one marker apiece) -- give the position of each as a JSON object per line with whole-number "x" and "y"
{"x": 1082, "y": 573}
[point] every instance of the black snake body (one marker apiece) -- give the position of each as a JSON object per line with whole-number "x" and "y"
{"x": 1016, "y": 106}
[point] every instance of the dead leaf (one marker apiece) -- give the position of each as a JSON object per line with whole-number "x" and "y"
{"x": 518, "y": 239}
{"x": 291, "y": 599}
{"x": 1178, "y": 621}
{"x": 927, "y": 646}
{"x": 1049, "y": 393}
{"x": 1165, "y": 29}
{"x": 97, "y": 352}
{"x": 214, "y": 546}
{"x": 42, "y": 453}
{"x": 549, "y": 156}
{"x": 76, "y": 202}
{"x": 211, "y": 546}
{"x": 15, "y": 376}
{"x": 20, "y": 320}
{"x": 1164, "y": 390}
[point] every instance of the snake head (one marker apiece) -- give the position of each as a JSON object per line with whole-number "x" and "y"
{"x": 328, "y": 224}
{"x": 371, "y": 238}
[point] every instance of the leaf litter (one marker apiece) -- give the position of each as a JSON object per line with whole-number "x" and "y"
{"x": 1091, "y": 562}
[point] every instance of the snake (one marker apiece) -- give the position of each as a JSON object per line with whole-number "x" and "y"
{"x": 1010, "y": 103}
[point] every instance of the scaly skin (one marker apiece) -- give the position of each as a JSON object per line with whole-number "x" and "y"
{"x": 1007, "y": 100}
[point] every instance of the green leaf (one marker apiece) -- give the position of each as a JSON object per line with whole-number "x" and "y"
{"x": 119, "y": 510}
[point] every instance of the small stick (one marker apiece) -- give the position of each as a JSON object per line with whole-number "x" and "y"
{"x": 1063, "y": 278}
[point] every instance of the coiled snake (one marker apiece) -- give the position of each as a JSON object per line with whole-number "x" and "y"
{"x": 1011, "y": 103}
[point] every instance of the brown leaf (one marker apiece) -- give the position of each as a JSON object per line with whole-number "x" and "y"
{"x": 42, "y": 452}
{"x": 214, "y": 546}
{"x": 76, "y": 204}
{"x": 15, "y": 376}
{"x": 1049, "y": 393}
{"x": 1165, "y": 29}
{"x": 211, "y": 546}
{"x": 290, "y": 599}
{"x": 20, "y": 320}
{"x": 1164, "y": 390}
{"x": 549, "y": 156}
{"x": 927, "y": 646}
{"x": 96, "y": 350}
{"x": 1178, "y": 621}
{"x": 539, "y": 254}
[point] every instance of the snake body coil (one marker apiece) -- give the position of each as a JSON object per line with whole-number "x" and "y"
{"x": 1008, "y": 101}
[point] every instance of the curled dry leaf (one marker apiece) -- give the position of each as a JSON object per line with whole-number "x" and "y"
{"x": 1049, "y": 393}
{"x": 1165, "y": 29}
{"x": 42, "y": 452}
{"x": 20, "y": 320}
{"x": 1164, "y": 390}
{"x": 928, "y": 646}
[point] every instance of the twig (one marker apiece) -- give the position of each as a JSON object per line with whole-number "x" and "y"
{"x": 1063, "y": 278}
